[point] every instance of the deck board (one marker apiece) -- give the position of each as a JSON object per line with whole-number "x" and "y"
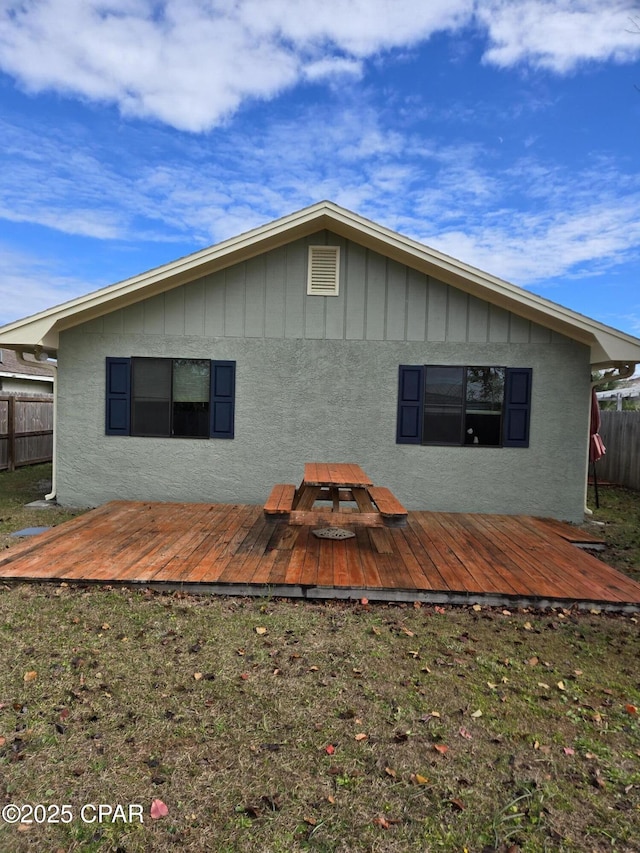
{"x": 437, "y": 556}
{"x": 493, "y": 568}
{"x": 456, "y": 574}
{"x": 532, "y": 556}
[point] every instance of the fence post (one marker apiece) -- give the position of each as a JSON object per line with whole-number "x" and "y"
{"x": 11, "y": 437}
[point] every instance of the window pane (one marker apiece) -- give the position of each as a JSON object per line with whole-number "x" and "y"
{"x": 443, "y": 405}
{"x": 151, "y": 396}
{"x": 151, "y": 417}
{"x": 191, "y": 419}
{"x": 190, "y": 380}
{"x": 483, "y": 408}
{"x": 191, "y": 397}
{"x": 152, "y": 378}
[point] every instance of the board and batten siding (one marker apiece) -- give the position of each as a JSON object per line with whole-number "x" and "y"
{"x": 265, "y": 297}
{"x": 317, "y": 379}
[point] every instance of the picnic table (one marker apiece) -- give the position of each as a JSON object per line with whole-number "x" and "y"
{"x": 337, "y": 484}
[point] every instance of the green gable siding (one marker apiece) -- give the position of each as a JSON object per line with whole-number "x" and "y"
{"x": 380, "y": 300}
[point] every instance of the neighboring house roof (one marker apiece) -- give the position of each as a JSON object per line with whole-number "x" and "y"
{"x": 12, "y": 368}
{"x": 609, "y": 347}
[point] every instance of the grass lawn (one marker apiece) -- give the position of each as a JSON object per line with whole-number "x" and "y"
{"x": 19, "y": 488}
{"x": 275, "y": 725}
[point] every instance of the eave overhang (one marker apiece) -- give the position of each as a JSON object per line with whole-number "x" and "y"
{"x": 608, "y": 346}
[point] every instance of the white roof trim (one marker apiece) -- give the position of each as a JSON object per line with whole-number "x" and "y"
{"x": 611, "y": 395}
{"x": 31, "y": 377}
{"x": 609, "y": 346}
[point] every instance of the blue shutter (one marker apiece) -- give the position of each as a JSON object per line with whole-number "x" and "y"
{"x": 410, "y": 404}
{"x": 223, "y": 398}
{"x": 118, "y": 396}
{"x": 517, "y": 407}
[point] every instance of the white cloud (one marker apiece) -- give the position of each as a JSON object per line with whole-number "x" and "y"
{"x": 358, "y": 27}
{"x": 83, "y": 223}
{"x": 530, "y": 223}
{"x": 533, "y": 249}
{"x": 56, "y": 181}
{"x": 333, "y": 66}
{"x": 191, "y": 64}
{"x": 559, "y": 34}
{"x": 541, "y": 223}
{"x": 29, "y": 284}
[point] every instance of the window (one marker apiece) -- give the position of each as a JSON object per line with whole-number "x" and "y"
{"x": 170, "y": 397}
{"x": 482, "y": 406}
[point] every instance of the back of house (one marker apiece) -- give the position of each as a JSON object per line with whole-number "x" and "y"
{"x": 325, "y": 337}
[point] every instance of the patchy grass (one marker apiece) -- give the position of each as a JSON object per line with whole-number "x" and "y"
{"x": 284, "y": 726}
{"x": 18, "y": 488}
{"x": 274, "y": 725}
{"x": 620, "y": 512}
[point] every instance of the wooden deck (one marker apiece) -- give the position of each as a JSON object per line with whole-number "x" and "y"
{"x": 232, "y": 549}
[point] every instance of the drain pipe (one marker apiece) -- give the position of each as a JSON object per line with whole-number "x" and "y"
{"x": 41, "y": 357}
{"x": 54, "y": 452}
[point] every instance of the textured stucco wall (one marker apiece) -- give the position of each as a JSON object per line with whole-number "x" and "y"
{"x": 329, "y": 400}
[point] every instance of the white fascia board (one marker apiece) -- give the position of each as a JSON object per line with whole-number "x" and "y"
{"x": 30, "y": 377}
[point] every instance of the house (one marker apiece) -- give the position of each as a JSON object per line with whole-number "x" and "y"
{"x": 323, "y": 336}
{"x": 627, "y": 390}
{"x": 24, "y": 377}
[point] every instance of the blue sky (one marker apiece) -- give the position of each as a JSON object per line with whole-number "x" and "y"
{"x": 503, "y": 132}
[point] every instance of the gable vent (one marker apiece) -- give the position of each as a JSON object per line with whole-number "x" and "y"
{"x": 324, "y": 266}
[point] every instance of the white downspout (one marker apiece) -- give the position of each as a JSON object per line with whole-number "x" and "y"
{"x": 54, "y": 453}
{"x": 41, "y": 357}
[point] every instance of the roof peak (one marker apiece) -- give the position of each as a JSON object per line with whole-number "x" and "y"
{"x": 608, "y": 345}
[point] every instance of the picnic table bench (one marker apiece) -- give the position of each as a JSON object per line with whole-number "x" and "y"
{"x": 280, "y": 501}
{"x": 336, "y": 483}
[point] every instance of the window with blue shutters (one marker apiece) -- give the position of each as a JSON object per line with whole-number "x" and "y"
{"x": 456, "y": 405}
{"x": 170, "y": 397}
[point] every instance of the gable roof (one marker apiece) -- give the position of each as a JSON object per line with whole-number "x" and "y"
{"x": 608, "y": 346}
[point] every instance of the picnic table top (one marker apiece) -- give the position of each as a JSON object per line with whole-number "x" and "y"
{"x": 345, "y": 474}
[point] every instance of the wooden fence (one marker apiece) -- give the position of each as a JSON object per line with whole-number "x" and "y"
{"x": 26, "y": 431}
{"x": 620, "y": 432}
